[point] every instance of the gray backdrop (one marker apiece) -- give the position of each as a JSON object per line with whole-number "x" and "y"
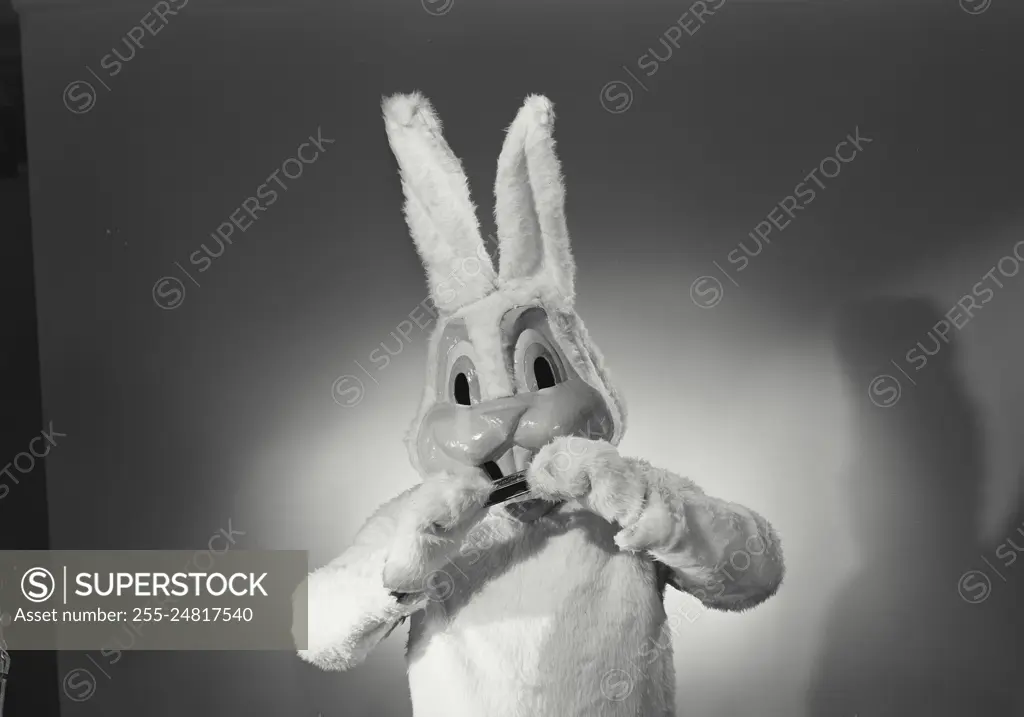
{"x": 220, "y": 410}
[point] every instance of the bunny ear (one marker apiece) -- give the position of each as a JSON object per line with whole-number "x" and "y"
{"x": 440, "y": 214}
{"x": 533, "y": 239}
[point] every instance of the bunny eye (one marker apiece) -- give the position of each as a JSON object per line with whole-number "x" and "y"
{"x": 537, "y": 364}
{"x": 460, "y": 389}
{"x": 463, "y": 385}
{"x": 543, "y": 374}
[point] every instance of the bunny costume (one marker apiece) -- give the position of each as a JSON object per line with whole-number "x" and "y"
{"x": 551, "y": 604}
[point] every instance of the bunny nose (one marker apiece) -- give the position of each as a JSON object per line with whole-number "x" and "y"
{"x": 472, "y": 435}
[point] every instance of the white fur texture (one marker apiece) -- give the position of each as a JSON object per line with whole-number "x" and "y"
{"x": 723, "y": 553}
{"x": 438, "y": 208}
{"x": 344, "y": 605}
{"x": 529, "y": 193}
{"x": 545, "y": 619}
{"x": 434, "y": 520}
{"x": 563, "y": 616}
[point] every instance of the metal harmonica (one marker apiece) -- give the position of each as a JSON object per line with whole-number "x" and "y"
{"x": 508, "y": 487}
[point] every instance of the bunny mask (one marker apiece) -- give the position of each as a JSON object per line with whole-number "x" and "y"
{"x": 510, "y": 365}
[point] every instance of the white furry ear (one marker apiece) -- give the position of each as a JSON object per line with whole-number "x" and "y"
{"x": 438, "y": 209}
{"x": 533, "y": 239}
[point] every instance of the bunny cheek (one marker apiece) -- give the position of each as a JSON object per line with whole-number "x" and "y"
{"x": 571, "y": 408}
{"x": 436, "y": 442}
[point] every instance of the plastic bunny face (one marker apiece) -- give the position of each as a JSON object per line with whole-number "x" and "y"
{"x": 511, "y": 365}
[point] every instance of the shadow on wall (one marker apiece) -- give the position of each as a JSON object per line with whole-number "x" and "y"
{"x": 925, "y": 625}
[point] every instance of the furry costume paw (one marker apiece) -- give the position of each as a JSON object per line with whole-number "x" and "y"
{"x": 591, "y": 472}
{"x": 439, "y": 512}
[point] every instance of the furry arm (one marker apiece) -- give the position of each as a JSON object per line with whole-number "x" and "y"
{"x": 355, "y": 601}
{"x": 347, "y": 607}
{"x": 725, "y": 555}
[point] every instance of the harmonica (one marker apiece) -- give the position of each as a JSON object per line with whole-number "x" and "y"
{"x": 508, "y": 487}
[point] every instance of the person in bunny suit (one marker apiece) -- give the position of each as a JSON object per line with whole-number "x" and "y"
{"x": 542, "y": 605}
